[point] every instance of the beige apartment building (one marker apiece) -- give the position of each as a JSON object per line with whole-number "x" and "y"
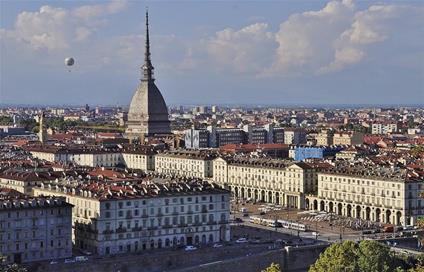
{"x": 23, "y": 181}
{"x": 93, "y": 157}
{"x": 324, "y": 138}
{"x": 153, "y": 213}
{"x": 139, "y": 159}
{"x": 348, "y": 138}
{"x": 274, "y": 181}
{"x": 198, "y": 164}
{"x": 376, "y": 194}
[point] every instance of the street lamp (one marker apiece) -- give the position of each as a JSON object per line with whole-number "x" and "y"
{"x": 316, "y": 230}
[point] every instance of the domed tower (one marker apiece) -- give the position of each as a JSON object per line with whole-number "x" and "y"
{"x": 148, "y": 113}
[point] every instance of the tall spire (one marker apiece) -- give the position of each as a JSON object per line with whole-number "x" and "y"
{"x": 147, "y": 68}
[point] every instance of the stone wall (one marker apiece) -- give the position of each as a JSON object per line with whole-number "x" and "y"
{"x": 291, "y": 259}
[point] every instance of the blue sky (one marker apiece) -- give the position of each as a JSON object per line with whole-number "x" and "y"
{"x": 214, "y": 52}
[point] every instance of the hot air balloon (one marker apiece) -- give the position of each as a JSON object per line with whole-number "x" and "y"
{"x": 69, "y": 61}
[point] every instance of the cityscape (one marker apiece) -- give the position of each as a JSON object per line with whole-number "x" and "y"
{"x": 279, "y": 162}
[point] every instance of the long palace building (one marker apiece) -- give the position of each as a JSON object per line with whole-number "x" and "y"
{"x": 378, "y": 194}
{"x": 112, "y": 218}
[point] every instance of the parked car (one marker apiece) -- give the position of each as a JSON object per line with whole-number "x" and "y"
{"x": 238, "y": 220}
{"x": 81, "y": 258}
{"x": 217, "y": 245}
{"x": 190, "y": 248}
{"x": 69, "y": 261}
{"x": 241, "y": 240}
{"x": 53, "y": 262}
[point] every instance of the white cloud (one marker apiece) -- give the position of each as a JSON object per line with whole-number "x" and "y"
{"x": 43, "y": 29}
{"x": 54, "y": 28}
{"x": 309, "y": 43}
{"x": 91, "y": 11}
{"x": 392, "y": 26}
{"x": 306, "y": 40}
{"x": 244, "y": 50}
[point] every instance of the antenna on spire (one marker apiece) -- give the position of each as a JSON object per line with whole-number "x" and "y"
{"x": 147, "y": 68}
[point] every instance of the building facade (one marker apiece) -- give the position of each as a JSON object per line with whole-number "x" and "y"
{"x": 193, "y": 164}
{"x": 324, "y": 138}
{"x": 196, "y": 138}
{"x": 383, "y": 128}
{"x": 375, "y": 194}
{"x": 274, "y": 181}
{"x": 139, "y": 159}
{"x": 348, "y": 138}
{"x": 112, "y": 219}
{"x": 35, "y": 229}
{"x": 294, "y": 136}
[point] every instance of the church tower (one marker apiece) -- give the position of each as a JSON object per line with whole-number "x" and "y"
{"x": 148, "y": 113}
{"x": 42, "y": 136}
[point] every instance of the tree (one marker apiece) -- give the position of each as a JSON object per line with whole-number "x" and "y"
{"x": 12, "y": 268}
{"x": 273, "y": 268}
{"x": 374, "y": 256}
{"x": 29, "y": 124}
{"x": 6, "y": 120}
{"x": 366, "y": 256}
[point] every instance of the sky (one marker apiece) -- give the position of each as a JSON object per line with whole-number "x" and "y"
{"x": 214, "y": 52}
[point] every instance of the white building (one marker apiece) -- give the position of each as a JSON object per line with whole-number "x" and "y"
{"x": 383, "y": 128}
{"x": 274, "y": 181}
{"x": 93, "y": 157}
{"x": 153, "y": 213}
{"x": 294, "y": 136}
{"x": 370, "y": 193}
{"x": 139, "y": 159}
{"x": 191, "y": 164}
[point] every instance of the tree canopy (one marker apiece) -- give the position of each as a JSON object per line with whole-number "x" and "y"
{"x": 273, "y": 268}
{"x": 366, "y": 256}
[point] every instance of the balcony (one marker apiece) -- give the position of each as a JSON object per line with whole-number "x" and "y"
{"x": 144, "y": 215}
{"x": 211, "y": 223}
{"x": 90, "y": 230}
{"x": 137, "y": 229}
{"x": 223, "y": 222}
{"x": 167, "y": 226}
{"x": 182, "y": 225}
{"x": 108, "y": 232}
{"x": 129, "y": 216}
{"x": 121, "y": 230}
{"x": 204, "y": 211}
{"x": 152, "y": 228}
